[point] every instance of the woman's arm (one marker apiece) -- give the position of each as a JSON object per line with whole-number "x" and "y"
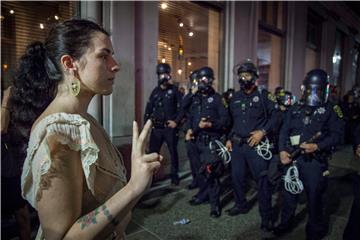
{"x": 60, "y": 204}
{"x": 5, "y": 111}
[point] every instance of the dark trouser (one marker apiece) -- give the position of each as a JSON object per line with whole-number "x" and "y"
{"x": 194, "y": 157}
{"x": 244, "y": 157}
{"x": 352, "y": 230}
{"x": 169, "y": 135}
{"x": 311, "y": 175}
{"x": 209, "y": 188}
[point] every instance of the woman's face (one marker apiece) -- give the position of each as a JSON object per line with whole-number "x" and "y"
{"x": 97, "y": 66}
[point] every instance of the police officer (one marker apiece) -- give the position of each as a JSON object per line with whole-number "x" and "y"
{"x": 190, "y": 144}
{"x": 312, "y": 115}
{"x": 352, "y": 230}
{"x": 208, "y": 118}
{"x": 253, "y": 116}
{"x": 163, "y": 108}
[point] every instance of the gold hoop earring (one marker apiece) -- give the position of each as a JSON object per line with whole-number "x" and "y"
{"x": 75, "y": 87}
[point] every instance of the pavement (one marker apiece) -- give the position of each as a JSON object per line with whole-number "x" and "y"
{"x": 164, "y": 204}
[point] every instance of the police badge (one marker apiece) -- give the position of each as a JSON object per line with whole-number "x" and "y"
{"x": 210, "y": 99}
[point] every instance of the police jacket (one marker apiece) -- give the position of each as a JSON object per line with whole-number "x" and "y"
{"x": 164, "y": 105}
{"x": 303, "y": 122}
{"x": 250, "y": 112}
{"x": 210, "y": 107}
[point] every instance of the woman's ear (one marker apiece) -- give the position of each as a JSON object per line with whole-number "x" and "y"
{"x": 68, "y": 63}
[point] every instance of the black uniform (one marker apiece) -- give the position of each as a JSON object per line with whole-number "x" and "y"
{"x": 352, "y": 230}
{"x": 250, "y": 112}
{"x": 211, "y": 108}
{"x": 164, "y": 105}
{"x": 305, "y": 121}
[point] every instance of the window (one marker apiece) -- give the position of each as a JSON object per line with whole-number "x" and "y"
{"x": 313, "y": 41}
{"x": 189, "y": 38}
{"x": 355, "y": 63}
{"x": 26, "y": 22}
{"x": 337, "y": 59}
{"x": 271, "y": 44}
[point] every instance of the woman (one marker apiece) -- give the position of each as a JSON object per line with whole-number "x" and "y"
{"x": 72, "y": 174}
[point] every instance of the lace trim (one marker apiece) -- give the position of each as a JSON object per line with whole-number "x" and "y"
{"x": 53, "y": 124}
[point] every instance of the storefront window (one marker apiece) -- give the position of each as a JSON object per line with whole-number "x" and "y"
{"x": 26, "y": 22}
{"x": 270, "y": 48}
{"x": 313, "y": 41}
{"x": 337, "y": 59}
{"x": 189, "y": 36}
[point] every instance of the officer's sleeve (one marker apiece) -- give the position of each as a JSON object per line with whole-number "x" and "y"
{"x": 272, "y": 113}
{"x": 335, "y": 127}
{"x": 180, "y": 112}
{"x": 284, "y": 133}
{"x": 223, "y": 121}
{"x": 149, "y": 107}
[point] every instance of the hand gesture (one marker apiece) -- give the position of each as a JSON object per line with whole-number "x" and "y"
{"x": 194, "y": 90}
{"x": 255, "y": 137}
{"x": 143, "y": 166}
{"x": 285, "y": 157}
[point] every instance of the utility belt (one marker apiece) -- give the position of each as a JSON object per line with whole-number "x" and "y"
{"x": 239, "y": 140}
{"x": 206, "y": 138}
{"x": 160, "y": 124}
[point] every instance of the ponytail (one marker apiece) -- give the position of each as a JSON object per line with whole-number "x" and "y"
{"x": 32, "y": 92}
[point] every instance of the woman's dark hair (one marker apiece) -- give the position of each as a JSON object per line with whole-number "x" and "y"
{"x": 39, "y": 72}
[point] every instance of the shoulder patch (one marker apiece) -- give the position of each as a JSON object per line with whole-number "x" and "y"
{"x": 338, "y": 111}
{"x": 271, "y": 97}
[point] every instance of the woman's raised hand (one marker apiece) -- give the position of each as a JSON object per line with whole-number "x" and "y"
{"x": 143, "y": 166}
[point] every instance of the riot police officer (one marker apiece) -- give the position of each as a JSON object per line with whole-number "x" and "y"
{"x": 253, "y": 115}
{"x": 312, "y": 116}
{"x": 190, "y": 144}
{"x": 163, "y": 108}
{"x": 207, "y": 119}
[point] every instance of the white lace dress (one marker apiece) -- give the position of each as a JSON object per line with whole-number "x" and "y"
{"x": 102, "y": 164}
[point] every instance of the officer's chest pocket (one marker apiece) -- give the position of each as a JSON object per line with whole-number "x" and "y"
{"x": 235, "y": 108}
{"x": 210, "y": 111}
{"x": 255, "y": 110}
{"x": 319, "y": 121}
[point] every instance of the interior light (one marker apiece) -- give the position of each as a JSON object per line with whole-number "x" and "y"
{"x": 164, "y": 5}
{"x": 5, "y": 66}
{"x": 56, "y": 17}
{"x": 191, "y": 34}
{"x": 41, "y": 26}
{"x": 163, "y": 60}
{"x": 12, "y": 11}
{"x": 169, "y": 48}
{"x": 189, "y": 63}
{"x": 179, "y": 71}
{"x": 181, "y": 24}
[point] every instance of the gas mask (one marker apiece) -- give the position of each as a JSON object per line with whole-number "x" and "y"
{"x": 204, "y": 84}
{"x": 246, "y": 80}
{"x": 163, "y": 78}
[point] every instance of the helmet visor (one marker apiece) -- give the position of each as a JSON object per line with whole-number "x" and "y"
{"x": 314, "y": 95}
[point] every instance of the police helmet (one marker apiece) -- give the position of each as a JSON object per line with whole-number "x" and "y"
{"x": 206, "y": 72}
{"x": 316, "y": 87}
{"x": 250, "y": 67}
{"x": 163, "y": 68}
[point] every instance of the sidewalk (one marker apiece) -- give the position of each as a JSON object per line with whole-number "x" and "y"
{"x": 153, "y": 218}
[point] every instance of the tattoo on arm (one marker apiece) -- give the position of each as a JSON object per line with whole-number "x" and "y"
{"x": 90, "y": 218}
